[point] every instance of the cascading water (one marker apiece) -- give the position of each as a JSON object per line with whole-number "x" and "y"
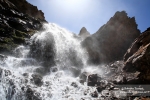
{"x": 47, "y": 70}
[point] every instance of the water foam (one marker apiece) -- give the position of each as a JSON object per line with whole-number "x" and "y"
{"x": 16, "y": 80}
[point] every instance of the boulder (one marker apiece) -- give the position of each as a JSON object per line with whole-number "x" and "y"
{"x": 112, "y": 40}
{"x": 94, "y": 94}
{"x": 37, "y": 79}
{"x": 137, "y": 57}
{"x": 93, "y": 80}
{"x": 30, "y": 94}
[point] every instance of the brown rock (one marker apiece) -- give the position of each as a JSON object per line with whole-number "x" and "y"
{"x": 112, "y": 40}
{"x": 137, "y": 57}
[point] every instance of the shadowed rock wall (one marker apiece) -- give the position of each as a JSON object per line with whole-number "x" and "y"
{"x": 112, "y": 40}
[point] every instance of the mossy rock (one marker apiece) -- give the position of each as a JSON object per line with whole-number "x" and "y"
{"x": 6, "y": 40}
{"x": 6, "y": 47}
{"x": 20, "y": 34}
{"x": 18, "y": 40}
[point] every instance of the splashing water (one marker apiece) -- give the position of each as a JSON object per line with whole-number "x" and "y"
{"x": 55, "y": 49}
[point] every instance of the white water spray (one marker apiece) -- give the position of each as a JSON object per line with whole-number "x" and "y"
{"x": 56, "y": 48}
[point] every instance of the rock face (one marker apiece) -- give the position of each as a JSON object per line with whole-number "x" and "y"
{"x": 15, "y": 26}
{"x": 84, "y": 33}
{"x": 112, "y": 40}
{"x": 137, "y": 58}
{"x": 29, "y": 9}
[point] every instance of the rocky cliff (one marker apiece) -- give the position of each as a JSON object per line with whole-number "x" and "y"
{"x": 137, "y": 58}
{"x": 17, "y": 23}
{"x": 112, "y": 40}
{"x": 29, "y": 9}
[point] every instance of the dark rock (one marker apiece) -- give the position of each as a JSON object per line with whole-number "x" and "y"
{"x": 137, "y": 57}
{"x": 30, "y": 95}
{"x": 37, "y": 79}
{"x": 41, "y": 70}
{"x": 7, "y": 72}
{"x": 54, "y": 69}
{"x": 84, "y": 33}
{"x": 1, "y": 72}
{"x": 74, "y": 84}
{"x": 112, "y": 40}
{"x": 2, "y": 59}
{"x": 26, "y": 75}
{"x": 16, "y": 25}
{"x": 100, "y": 89}
{"x": 93, "y": 80}
{"x": 83, "y": 76}
{"x": 94, "y": 94}
{"x": 75, "y": 71}
{"x": 29, "y": 9}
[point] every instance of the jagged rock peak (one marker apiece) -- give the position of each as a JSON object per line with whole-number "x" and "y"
{"x": 113, "y": 39}
{"x": 120, "y": 13}
{"x": 84, "y": 33}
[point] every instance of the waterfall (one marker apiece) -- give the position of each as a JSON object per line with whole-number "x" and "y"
{"x": 48, "y": 69}
{"x": 58, "y": 47}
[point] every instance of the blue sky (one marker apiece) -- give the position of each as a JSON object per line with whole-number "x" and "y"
{"x": 92, "y": 14}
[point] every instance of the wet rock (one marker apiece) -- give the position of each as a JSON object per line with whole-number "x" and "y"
{"x": 54, "y": 69}
{"x": 74, "y": 84}
{"x": 26, "y": 75}
{"x": 94, "y": 94}
{"x": 28, "y": 62}
{"x": 37, "y": 79}
{"x": 2, "y": 59}
{"x": 30, "y": 95}
{"x": 42, "y": 70}
{"x": 83, "y": 76}
{"x": 75, "y": 71}
{"x": 93, "y": 80}
{"x": 100, "y": 88}
{"x": 1, "y": 72}
{"x": 112, "y": 40}
{"x": 7, "y": 72}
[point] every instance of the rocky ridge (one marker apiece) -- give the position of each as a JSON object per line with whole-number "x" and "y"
{"x": 17, "y": 24}
{"x": 27, "y": 8}
{"x": 112, "y": 40}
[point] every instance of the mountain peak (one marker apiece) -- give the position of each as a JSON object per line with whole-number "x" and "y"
{"x": 84, "y": 33}
{"x": 113, "y": 39}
